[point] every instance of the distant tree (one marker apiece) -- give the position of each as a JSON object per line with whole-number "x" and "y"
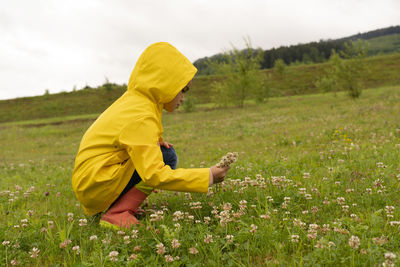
{"x": 241, "y": 78}
{"x": 279, "y": 67}
{"x": 348, "y": 69}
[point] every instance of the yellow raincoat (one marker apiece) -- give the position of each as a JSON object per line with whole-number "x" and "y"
{"x": 125, "y": 137}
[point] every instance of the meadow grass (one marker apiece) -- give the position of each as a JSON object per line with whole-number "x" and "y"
{"x": 316, "y": 184}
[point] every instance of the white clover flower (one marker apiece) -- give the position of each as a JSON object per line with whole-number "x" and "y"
{"x": 253, "y": 228}
{"x": 294, "y": 238}
{"x": 160, "y": 248}
{"x": 175, "y": 243}
{"x": 76, "y": 249}
{"x": 93, "y": 237}
{"x": 354, "y": 242}
{"x": 228, "y": 159}
{"x": 113, "y": 255}
{"x": 82, "y": 222}
{"x": 169, "y": 258}
{"x": 208, "y": 239}
{"x": 34, "y": 253}
{"x": 193, "y": 250}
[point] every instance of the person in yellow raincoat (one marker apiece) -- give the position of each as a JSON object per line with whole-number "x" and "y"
{"x": 122, "y": 156}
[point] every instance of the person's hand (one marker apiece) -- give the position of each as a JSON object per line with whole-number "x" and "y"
{"x": 166, "y": 144}
{"x": 219, "y": 173}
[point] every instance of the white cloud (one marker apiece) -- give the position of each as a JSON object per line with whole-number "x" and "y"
{"x": 55, "y": 45}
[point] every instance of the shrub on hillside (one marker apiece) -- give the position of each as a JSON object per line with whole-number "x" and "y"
{"x": 242, "y": 77}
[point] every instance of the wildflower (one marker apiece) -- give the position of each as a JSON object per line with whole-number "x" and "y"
{"x": 178, "y": 215}
{"x": 325, "y": 228}
{"x": 93, "y": 237}
{"x": 389, "y": 211}
{"x": 157, "y": 216}
{"x": 133, "y": 256}
{"x": 345, "y": 208}
{"x": 314, "y": 209}
{"x": 14, "y": 262}
{"x": 380, "y": 240}
{"x": 169, "y": 258}
{"x": 126, "y": 239}
{"x": 76, "y": 249}
{"x": 175, "y": 243}
{"x": 331, "y": 244}
{"x": 208, "y": 239}
{"x": 207, "y": 220}
{"x": 135, "y": 234}
{"x": 227, "y": 206}
{"x": 306, "y": 175}
{"x": 29, "y": 213}
{"x": 302, "y": 191}
{"x": 228, "y": 159}
{"x": 229, "y": 238}
{"x": 319, "y": 244}
{"x": 65, "y": 243}
{"x": 6, "y": 243}
{"x": 195, "y": 205}
{"x": 120, "y": 233}
{"x": 242, "y": 204}
{"x": 137, "y": 248}
{"x": 70, "y": 217}
{"x": 160, "y": 248}
{"x": 265, "y": 216}
{"x": 113, "y": 255}
{"x": 82, "y": 222}
{"x": 193, "y": 250}
{"x": 253, "y": 228}
{"x": 295, "y": 238}
{"x": 340, "y": 200}
{"x": 24, "y": 223}
{"x": 34, "y": 253}
{"x": 390, "y": 256}
{"x": 354, "y": 242}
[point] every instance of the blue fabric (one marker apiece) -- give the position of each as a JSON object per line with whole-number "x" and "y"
{"x": 170, "y": 158}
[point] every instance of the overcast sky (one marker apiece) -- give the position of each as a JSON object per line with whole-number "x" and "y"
{"x": 56, "y": 45}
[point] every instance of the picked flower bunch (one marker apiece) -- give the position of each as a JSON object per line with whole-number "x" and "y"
{"x": 228, "y": 159}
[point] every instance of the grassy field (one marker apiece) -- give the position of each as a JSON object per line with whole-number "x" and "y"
{"x": 316, "y": 184}
{"x": 298, "y": 80}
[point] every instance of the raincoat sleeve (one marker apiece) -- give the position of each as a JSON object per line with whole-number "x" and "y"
{"x": 140, "y": 139}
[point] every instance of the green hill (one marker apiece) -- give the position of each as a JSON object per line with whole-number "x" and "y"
{"x": 385, "y": 44}
{"x": 384, "y": 40}
{"x": 385, "y": 70}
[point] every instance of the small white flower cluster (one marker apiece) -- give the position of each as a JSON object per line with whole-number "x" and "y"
{"x": 228, "y": 159}
{"x": 178, "y": 215}
{"x": 354, "y": 242}
{"x": 113, "y": 255}
{"x": 195, "y": 205}
{"x": 158, "y": 216}
{"x": 389, "y": 259}
{"x": 389, "y": 211}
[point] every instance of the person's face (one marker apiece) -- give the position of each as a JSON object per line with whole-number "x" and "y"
{"x": 177, "y": 101}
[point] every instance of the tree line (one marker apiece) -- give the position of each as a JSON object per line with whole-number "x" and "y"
{"x": 313, "y": 52}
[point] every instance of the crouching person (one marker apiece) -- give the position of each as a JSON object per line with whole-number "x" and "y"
{"x": 122, "y": 156}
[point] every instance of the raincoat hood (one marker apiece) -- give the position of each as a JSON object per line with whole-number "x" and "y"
{"x": 160, "y": 73}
